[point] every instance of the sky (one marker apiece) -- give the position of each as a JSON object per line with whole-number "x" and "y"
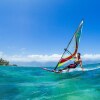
{"x": 32, "y": 29}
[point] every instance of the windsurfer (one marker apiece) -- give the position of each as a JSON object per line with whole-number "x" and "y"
{"x": 78, "y": 61}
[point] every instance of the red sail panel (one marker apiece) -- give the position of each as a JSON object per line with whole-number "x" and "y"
{"x": 71, "y": 56}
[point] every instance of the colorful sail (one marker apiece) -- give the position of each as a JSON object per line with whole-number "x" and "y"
{"x": 72, "y": 48}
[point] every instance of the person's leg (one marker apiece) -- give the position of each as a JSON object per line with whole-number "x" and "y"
{"x": 70, "y": 66}
{"x": 67, "y": 67}
{"x": 60, "y": 70}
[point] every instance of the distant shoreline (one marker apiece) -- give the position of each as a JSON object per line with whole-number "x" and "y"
{"x": 8, "y": 65}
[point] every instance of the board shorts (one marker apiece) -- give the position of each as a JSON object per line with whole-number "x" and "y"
{"x": 72, "y": 65}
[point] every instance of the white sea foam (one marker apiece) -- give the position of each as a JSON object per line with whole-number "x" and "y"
{"x": 86, "y": 69}
{"x": 79, "y": 69}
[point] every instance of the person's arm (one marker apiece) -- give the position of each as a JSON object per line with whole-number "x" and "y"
{"x": 81, "y": 66}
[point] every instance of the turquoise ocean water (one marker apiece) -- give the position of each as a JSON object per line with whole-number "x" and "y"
{"x": 21, "y": 83}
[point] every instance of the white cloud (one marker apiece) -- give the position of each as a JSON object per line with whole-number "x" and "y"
{"x": 44, "y": 58}
{"x": 91, "y": 57}
{"x": 30, "y": 58}
{"x": 37, "y": 58}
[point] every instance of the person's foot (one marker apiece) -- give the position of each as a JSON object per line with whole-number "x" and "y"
{"x": 60, "y": 70}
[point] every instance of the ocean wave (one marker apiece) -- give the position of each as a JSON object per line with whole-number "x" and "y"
{"x": 62, "y": 95}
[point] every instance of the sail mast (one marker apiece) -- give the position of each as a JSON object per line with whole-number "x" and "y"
{"x": 64, "y": 51}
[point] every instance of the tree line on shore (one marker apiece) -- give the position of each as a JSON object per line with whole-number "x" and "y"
{"x": 6, "y": 63}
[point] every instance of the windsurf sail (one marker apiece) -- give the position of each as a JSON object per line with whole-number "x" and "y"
{"x": 72, "y": 48}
